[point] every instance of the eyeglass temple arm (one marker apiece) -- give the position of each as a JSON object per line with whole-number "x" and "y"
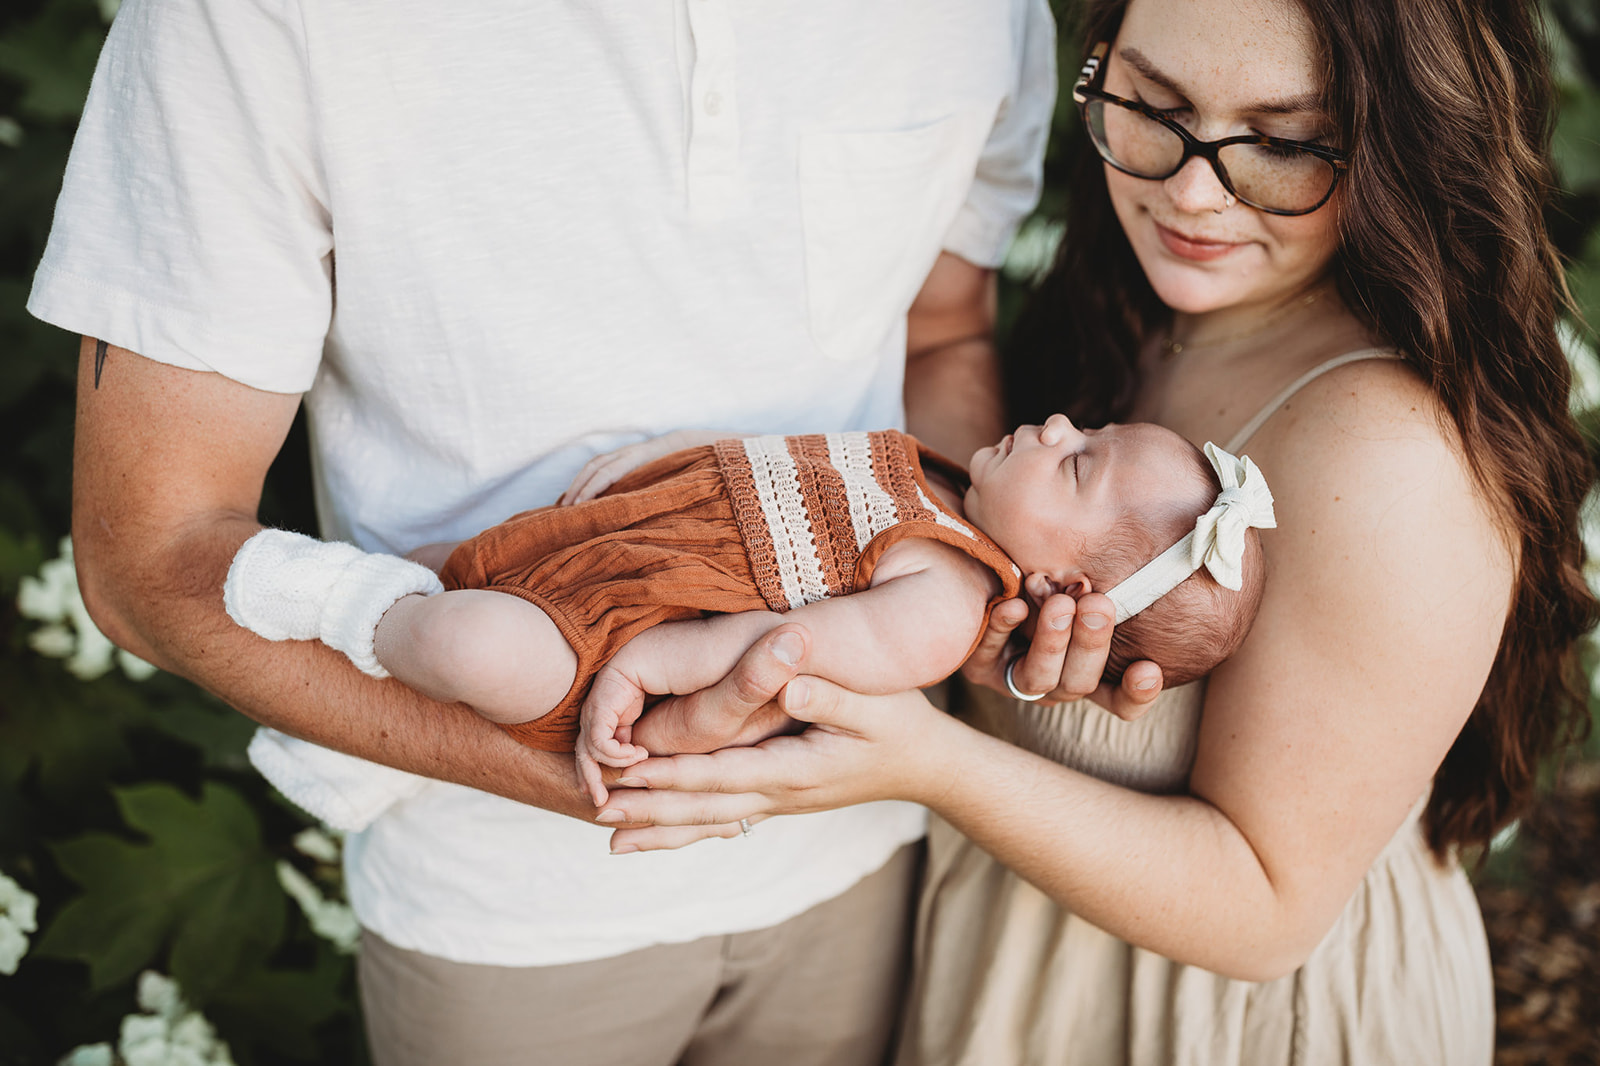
{"x": 1096, "y": 56}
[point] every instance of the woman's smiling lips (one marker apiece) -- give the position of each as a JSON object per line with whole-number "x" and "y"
{"x": 1185, "y": 247}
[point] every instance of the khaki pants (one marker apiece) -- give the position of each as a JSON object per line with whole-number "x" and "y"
{"x": 823, "y": 988}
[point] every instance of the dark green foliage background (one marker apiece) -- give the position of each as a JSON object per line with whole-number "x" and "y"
{"x": 127, "y": 807}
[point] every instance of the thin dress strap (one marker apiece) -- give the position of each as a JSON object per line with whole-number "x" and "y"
{"x": 1248, "y": 430}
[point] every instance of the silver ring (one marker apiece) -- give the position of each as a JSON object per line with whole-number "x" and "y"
{"x": 1011, "y": 686}
{"x": 744, "y": 827}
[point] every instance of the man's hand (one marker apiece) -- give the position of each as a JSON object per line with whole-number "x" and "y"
{"x": 738, "y": 711}
{"x": 1065, "y": 659}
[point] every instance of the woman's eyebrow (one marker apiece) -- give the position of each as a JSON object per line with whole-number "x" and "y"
{"x": 1292, "y": 105}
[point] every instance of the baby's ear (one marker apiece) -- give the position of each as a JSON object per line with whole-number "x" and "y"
{"x": 1039, "y": 587}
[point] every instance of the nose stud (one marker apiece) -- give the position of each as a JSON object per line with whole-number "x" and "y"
{"x": 1228, "y": 200}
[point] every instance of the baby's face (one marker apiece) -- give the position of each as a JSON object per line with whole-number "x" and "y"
{"x": 1045, "y": 492}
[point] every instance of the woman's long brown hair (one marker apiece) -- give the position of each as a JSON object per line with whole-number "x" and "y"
{"x": 1444, "y": 254}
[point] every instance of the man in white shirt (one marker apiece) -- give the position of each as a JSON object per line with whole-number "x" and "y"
{"x": 485, "y": 244}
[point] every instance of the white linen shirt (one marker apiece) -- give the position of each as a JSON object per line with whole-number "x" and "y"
{"x": 491, "y": 240}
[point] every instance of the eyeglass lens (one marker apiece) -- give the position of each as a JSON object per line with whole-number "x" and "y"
{"x": 1275, "y": 178}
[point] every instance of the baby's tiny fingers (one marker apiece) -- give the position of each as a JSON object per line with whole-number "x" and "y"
{"x": 619, "y": 755}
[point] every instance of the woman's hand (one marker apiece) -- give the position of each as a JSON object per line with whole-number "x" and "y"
{"x": 856, "y": 750}
{"x": 1066, "y": 657}
{"x": 603, "y": 471}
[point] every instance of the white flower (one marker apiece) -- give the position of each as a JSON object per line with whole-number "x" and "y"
{"x": 45, "y": 597}
{"x": 144, "y": 1039}
{"x": 159, "y": 995}
{"x": 1505, "y": 837}
{"x": 88, "y": 1055}
{"x": 55, "y": 641}
{"x": 69, "y": 633}
{"x": 193, "y": 1031}
{"x": 1585, "y": 368}
{"x": 332, "y": 921}
{"x": 1589, "y": 524}
{"x": 136, "y": 668}
{"x": 1033, "y": 251}
{"x": 167, "y": 1033}
{"x": 317, "y": 844}
{"x": 19, "y": 916}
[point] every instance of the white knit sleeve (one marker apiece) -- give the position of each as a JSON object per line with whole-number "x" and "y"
{"x": 286, "y": 586}
{"x": 341, "y": 790}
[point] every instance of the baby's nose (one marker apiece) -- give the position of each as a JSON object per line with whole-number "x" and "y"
{"x": 1056, "y": 429}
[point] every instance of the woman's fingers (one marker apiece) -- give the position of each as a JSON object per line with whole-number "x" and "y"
{"x": 731, "y": 770}
{"x": 1066, "y": 657}
{"x": 1040, "y": 668}
{"x": 663, "y": 837}
{"x": 1087, "y": 650}
{"x": 641, "y": 807}
{"x": 1141, "y": 684}
{"x": 987, "y": 663}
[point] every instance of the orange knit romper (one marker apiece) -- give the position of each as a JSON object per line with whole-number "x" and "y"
{"x": 766, "y": 523}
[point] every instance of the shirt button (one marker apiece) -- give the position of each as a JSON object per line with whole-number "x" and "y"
{"x": 713, "y": 103}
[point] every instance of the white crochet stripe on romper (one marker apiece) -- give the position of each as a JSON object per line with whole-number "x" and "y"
{"x": 777, "y": 482}
{"x": 872, "y": 510}
{"x": 943, "y": 518}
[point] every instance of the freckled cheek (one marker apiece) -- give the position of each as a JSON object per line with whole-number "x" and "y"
{"x": 1303, "y": 243}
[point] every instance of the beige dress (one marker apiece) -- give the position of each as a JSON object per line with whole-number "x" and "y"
{"x": 1004, "y": 975}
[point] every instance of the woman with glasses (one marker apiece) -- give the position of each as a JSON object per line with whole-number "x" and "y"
{"x": 1311, "y": 229}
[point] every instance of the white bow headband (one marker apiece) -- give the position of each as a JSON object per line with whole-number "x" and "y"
{"x": 1218, "y": 540}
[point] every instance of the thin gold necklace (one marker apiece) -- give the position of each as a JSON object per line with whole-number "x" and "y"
{"x": 1170, "y": 346}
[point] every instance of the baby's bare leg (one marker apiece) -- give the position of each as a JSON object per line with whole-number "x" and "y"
{"x": 498, "y": 653}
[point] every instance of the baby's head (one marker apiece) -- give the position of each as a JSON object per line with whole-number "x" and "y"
{"x": 1081, "y": 511}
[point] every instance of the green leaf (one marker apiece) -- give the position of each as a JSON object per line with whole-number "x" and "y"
{"x": 119, "y": 924}
{"x": 191, "y": 716}
{"x": 283, "y": 1008}
{"x": 53, "y": 55}
{"x": 1583, "y": 276}
{"x": 203, "y": 883}
{"x": 1576, "y": 145}
{"x": 75, "y": 733}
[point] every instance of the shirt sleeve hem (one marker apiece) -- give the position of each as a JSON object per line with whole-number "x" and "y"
{"x": 163, "y": 334}
{"x": 978, "y": 240}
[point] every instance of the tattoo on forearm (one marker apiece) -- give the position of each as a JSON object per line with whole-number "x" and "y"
{"x": 99, "y": 361}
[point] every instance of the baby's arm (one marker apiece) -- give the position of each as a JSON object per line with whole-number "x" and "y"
{"x": 911, "y": 628}
{"x": 497, "y": 653}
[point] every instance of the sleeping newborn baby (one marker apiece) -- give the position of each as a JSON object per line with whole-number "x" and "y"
{"x": 560, "y": 622}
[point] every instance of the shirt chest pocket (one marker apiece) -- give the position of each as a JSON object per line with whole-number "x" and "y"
{"x": 875, "y": 207}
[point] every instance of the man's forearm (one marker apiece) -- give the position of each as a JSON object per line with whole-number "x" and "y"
{"x": 952, "y": 392}
{"x": 953, "y": 397}
{"x": 305, "y": 689}
{"x": 167, "y": 472}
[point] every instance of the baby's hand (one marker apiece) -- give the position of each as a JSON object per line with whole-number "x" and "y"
{"x": 603, "y": 471}
{"x": 605, "y": 732}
